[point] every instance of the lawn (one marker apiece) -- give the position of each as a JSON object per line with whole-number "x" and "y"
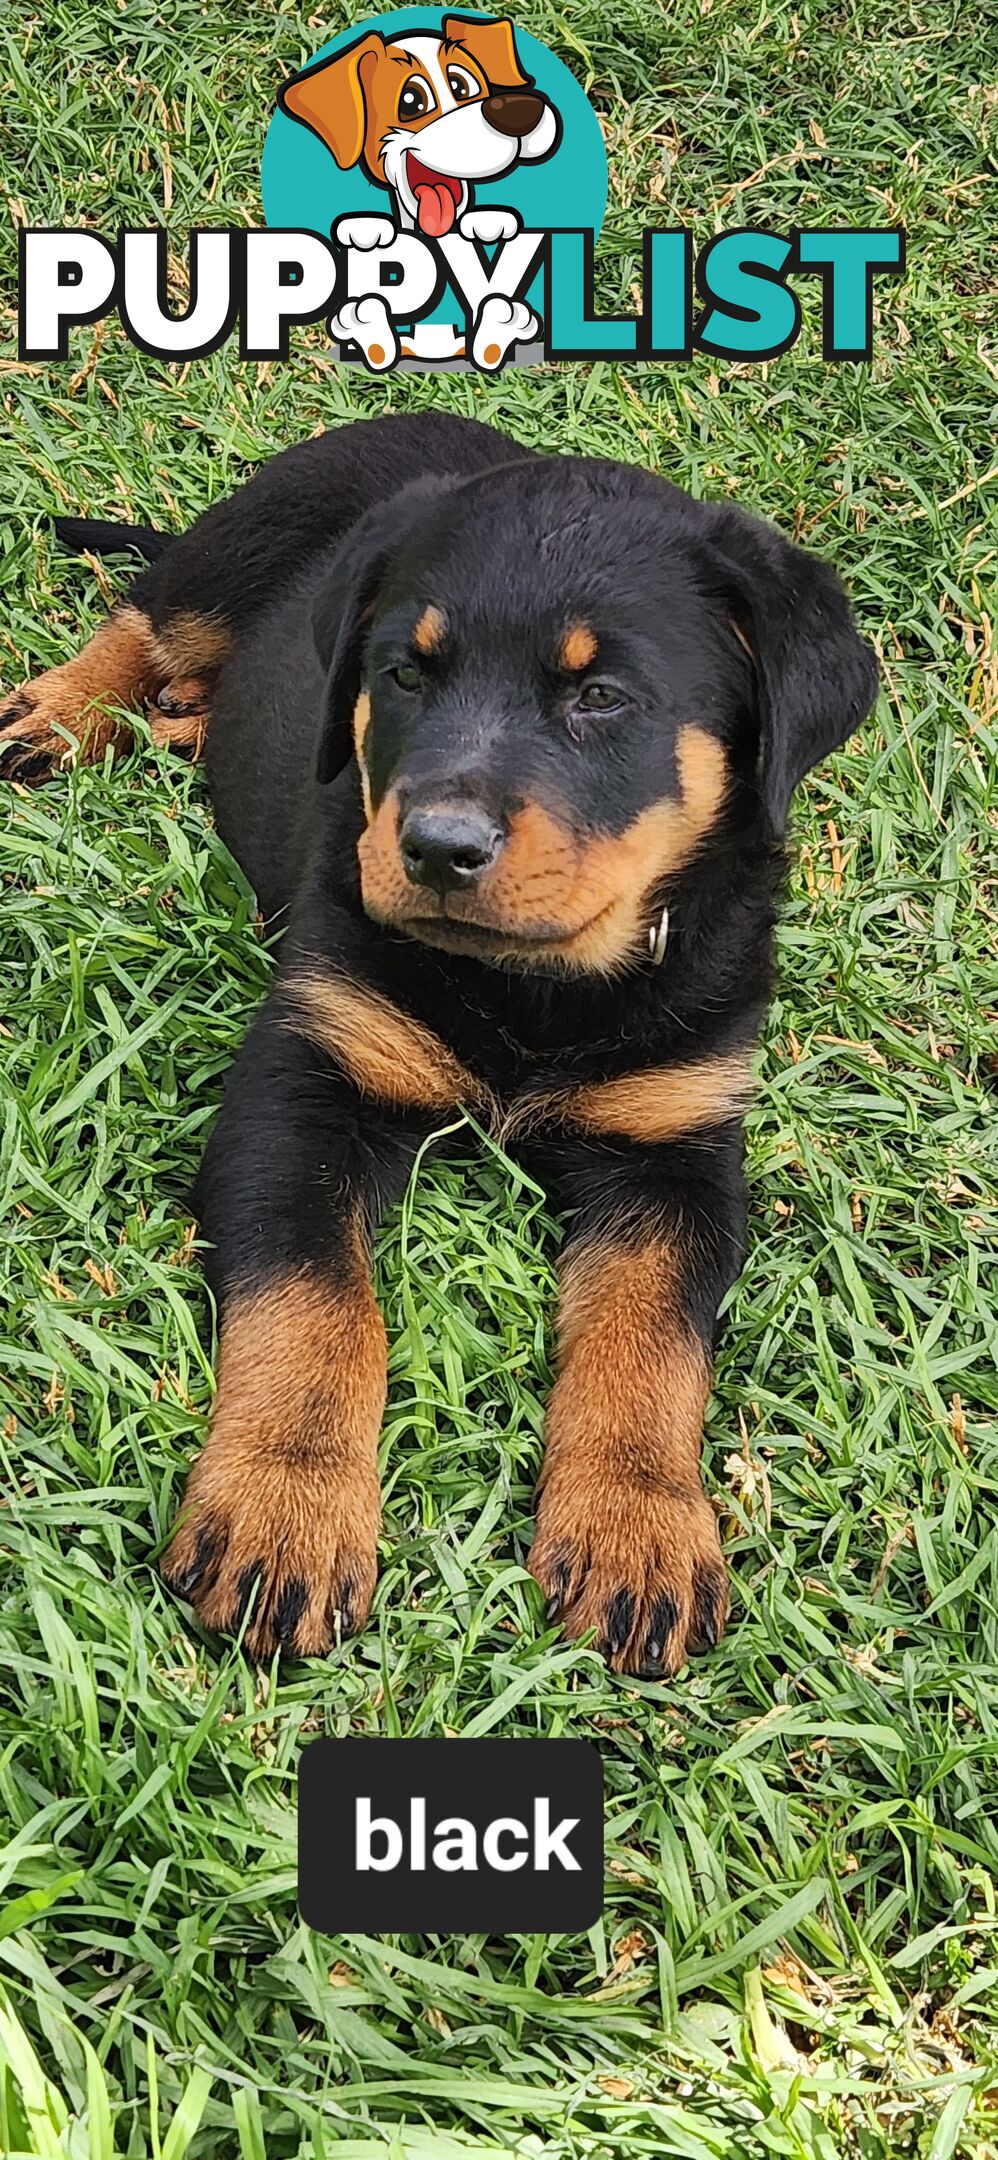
{"x": 799, "y": 1951}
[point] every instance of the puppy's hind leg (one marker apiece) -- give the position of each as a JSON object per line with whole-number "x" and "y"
{"x": 152, "y": 649}
{"x": 186, "y": 731}
{"x": 191, "y": 647}
{"x": 84, "y": 699}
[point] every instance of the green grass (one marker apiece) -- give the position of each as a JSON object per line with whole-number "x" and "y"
{"x": 798, "y": 1955}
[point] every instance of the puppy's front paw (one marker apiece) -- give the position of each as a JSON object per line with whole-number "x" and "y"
{"x": 644, "y": 1569}
{"x": 294, "y": 1544}
{"x": 280, "y": 1516}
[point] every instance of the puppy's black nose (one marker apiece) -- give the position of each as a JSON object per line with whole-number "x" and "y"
{"x": 513, "y": 112}
{"x": 449, "y": 846}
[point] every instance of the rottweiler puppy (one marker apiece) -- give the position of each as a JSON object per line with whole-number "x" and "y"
{"x": 506, "y": 742}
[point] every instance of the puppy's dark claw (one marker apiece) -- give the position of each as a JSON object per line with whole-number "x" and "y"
{"x": 619, "y": 1621}
{"x": 251, "y": 1577}
{"x": 205, "y": 1553}
{"x": 288, "y": 1611}
{"x": 709, "y": 1606}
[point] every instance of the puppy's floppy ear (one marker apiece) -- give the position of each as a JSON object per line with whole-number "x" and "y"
{"x": 329, "y": 97}
{"x": 493, "y": 45}
{"x": 347, "y": 601}
{"x": 817, "y": 678}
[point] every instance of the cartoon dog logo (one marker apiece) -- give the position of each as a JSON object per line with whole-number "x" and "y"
{"x": 426, "y": 115}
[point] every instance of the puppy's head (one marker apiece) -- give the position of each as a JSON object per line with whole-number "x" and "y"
{"x": 427, "y": 114}
{"x": 564, "y": 682}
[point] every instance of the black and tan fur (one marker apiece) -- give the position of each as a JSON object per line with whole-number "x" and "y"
{"x": 473, "y": 720}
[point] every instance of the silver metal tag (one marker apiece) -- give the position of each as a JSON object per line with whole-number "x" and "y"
{"x": 658, "y": 938}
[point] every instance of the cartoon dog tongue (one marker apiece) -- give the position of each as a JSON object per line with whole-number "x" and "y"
{"x": 437, "y": 199}
{"x": 435, "y": 213}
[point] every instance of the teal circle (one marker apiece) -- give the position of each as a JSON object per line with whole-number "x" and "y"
{"x": 303, "y": 186}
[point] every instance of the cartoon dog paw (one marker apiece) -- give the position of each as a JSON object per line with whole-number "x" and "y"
{"x": 367, "y": 323}
{"x": 363, "y": 232}
{"x": 501, "y": 324}
{"x": 489, "y": 225}
{"x": 434, "y": 342}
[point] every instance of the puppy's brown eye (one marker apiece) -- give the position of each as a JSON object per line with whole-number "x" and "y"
{"x": 415, "y": 100}
{"x": 599, "y": 697}
{"x": 406, "y": 676}
{"x": 461, "y": 85}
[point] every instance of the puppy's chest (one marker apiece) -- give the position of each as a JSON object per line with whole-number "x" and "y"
{"x": 644, "y": 1093}
{"x": 622, "y": 1088}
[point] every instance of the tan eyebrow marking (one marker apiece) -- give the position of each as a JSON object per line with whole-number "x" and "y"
{"x": 578, "y": 647}
{"x": 428, "y": 635}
